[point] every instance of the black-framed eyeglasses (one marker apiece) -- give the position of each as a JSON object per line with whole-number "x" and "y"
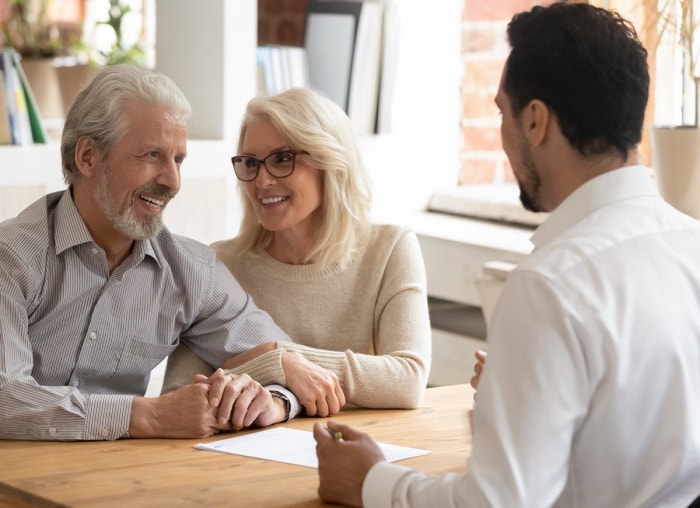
{"x": 279, "y": 164}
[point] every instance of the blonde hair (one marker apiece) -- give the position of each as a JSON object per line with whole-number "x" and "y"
{"x": 311, "y": 122}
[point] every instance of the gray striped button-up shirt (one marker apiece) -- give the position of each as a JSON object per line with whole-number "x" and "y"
{"x": 77, "y": 344}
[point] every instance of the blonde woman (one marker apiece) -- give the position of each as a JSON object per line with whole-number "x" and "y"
{"x": 351, "y": 294}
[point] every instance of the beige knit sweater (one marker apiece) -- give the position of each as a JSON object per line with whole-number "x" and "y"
{"x": 368, "y": 323}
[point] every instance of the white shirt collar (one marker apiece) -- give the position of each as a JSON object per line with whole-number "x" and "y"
{"x": 612, "y": 186}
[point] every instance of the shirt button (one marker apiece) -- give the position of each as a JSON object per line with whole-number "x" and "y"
{"x": 52, "y": 431}
{"x": 105, "y": 432}
{"x": 94, "y": 251}
{"x": 93, "y": 335}
{"x": 75, "y": 383}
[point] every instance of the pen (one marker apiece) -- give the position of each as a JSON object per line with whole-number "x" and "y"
{"x": 335, "y": 433}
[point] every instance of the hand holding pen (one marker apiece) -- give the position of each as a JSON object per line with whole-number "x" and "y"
{"x": 345, "y": 455}
{"x": 337, "y": 435}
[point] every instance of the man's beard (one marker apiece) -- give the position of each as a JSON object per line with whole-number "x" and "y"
{"x": 527, "y": 201}
{"x": 530, "y": 186}
{"x": 126, "y": 220}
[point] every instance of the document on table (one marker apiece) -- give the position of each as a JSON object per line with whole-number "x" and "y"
{"x": 291, "y": 446}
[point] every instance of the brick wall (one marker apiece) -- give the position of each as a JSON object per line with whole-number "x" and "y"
{"x": 484, "y": 50}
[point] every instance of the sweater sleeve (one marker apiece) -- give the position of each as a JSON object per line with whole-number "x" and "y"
{"x": 266, "y": 369}
{"x": 183, "y": 364}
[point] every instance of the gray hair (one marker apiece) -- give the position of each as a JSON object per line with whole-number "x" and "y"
{"x": 97, "y": 112}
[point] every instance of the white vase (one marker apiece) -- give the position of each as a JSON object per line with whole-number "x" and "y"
{"x": 676, "y": 163}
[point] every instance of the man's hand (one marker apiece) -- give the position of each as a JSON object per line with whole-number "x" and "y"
{"x": 344, "y": 463}
{"x": 220, "y": 402}
{"x": 317, "y": 389}
{"x": 480, "y": 356}
{"x": 241, "y": 400}
{"x": 182, "y": 413}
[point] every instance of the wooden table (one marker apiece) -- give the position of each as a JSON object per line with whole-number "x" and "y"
{"x": 169, "y": 472}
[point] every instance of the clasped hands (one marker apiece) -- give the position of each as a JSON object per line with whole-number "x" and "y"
{"x": 317, "y": 388}
{"x": 240, "y": 401}
{"x": 220, "y": 402}
{"x": 226, "y": 401}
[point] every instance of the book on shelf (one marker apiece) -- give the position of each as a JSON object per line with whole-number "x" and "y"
{"x": 363, "y": 97}
{"x": 344, "y": 43}
{"x": 390, "y": 56}
{"x": 281, "y": 68}
{"x": 5, "y": 128}
{"x": 8, "y": 91}
{"x": 298, "y": 65}
{"x": 23, "y": 117}
{"x": 35, "y": 121}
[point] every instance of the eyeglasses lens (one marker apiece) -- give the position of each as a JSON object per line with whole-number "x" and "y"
{"x": 278, "y": 164}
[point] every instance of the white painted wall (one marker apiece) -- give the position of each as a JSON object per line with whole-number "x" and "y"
{"x": 420, "y": 154}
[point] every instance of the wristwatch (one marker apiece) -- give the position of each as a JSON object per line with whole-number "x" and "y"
{"x": 287, "y": 403}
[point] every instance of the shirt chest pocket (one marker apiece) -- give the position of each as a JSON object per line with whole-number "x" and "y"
{"x": 139, "y": 358}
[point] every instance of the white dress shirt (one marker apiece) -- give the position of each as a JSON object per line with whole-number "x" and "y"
{"x": 591, "y": 393}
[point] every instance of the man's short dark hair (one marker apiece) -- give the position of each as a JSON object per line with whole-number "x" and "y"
{"x": 588, "y": 66}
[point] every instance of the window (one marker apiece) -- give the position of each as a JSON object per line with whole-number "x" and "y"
{"x": 136, "y": 21}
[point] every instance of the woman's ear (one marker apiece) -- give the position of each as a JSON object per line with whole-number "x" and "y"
{"x": 87, "y": 156}
{"x": 535, "y": 119}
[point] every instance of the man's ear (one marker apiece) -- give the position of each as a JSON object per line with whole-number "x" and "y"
{"x": 87, "y": 156}
{"x": 535, "y": 119}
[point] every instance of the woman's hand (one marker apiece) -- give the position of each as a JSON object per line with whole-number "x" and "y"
{"x": 317, "y": 389}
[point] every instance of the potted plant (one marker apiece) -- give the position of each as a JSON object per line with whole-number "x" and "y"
{"x": 30, "y": 31}
{"x": 676, "y": 146}
{"x": 113, "y": 49}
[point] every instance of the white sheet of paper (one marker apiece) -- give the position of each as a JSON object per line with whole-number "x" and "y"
{"x": 291, "y": 446}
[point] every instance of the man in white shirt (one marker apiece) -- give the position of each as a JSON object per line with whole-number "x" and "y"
{"x": 591, "y": 393}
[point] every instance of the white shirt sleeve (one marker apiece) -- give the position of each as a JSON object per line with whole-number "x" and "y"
{"x": 392, "y": 485}
{"x": 295, "y": 407}
{"x": 380, "y": 484}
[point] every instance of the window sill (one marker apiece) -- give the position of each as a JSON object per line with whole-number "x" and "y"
{"x": 496, "y": 202}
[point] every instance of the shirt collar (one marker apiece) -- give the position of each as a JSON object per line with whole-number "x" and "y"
{"x": 70, "y": 230}
{"x": 610, "y": 187}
